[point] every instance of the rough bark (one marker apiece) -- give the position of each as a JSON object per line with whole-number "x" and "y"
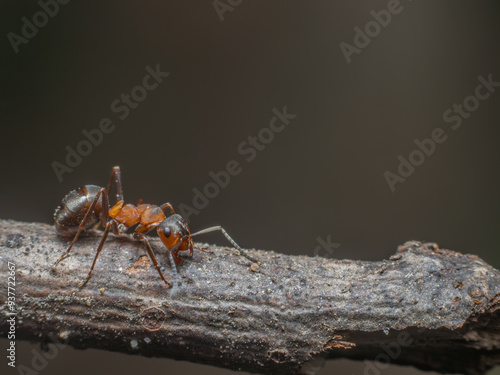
{"x": 427, "y": 307}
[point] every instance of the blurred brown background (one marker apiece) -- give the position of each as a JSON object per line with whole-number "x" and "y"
{"x": 322, "y": 176}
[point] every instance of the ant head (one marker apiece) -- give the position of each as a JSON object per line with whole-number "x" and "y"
{"x": 172, "y": 230}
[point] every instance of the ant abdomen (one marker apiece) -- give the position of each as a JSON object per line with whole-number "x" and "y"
{"x": 73, "y": 208}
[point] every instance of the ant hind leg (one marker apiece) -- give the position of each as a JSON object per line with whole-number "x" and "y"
{"x": 102, "y": 191}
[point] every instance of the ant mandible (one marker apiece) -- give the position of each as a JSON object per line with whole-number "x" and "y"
{"x": 88, "y": 206}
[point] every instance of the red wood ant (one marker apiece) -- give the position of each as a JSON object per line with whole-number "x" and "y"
{"x": 88, "y": 206}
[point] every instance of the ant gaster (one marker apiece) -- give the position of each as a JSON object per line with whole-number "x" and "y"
{"x": 88, "y": 206}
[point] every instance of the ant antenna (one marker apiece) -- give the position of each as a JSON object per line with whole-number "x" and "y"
{"x": 213, "y": 229}
{"x": 176, "y": 274}
{"x": 174, "y": 266}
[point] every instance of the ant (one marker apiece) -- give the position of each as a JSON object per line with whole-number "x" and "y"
{"x": 88, "y": 206}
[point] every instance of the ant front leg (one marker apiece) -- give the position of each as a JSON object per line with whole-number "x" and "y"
{"x": 142, "y": 237}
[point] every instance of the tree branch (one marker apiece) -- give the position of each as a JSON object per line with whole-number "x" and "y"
{"x": 427, "y": 307}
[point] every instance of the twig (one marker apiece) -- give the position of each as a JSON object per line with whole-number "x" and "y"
{"x": 427, "y": 307}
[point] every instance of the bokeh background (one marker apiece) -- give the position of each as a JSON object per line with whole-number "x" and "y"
{"x": 322, "y": 176}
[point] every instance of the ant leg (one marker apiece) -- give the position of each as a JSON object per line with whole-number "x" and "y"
{"x": 106, "y": 232}
{"x": 82, "y": 224}
{"x": 213, "y": 229}
{"x": 116, "y": 177}
{"x": 164, "y": 206}
{"x": 140, "y": 236}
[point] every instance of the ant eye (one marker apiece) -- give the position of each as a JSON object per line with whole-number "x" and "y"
{"x": 166, "y": 232}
